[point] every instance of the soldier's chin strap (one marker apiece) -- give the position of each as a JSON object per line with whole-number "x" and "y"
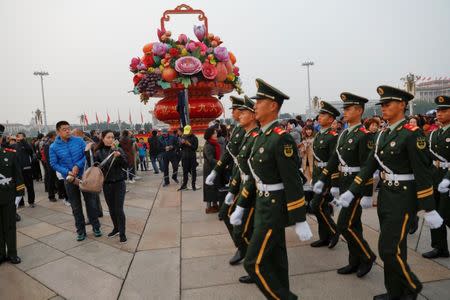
{"x": 442, "y": 159}
{"x": 385, "y": 168}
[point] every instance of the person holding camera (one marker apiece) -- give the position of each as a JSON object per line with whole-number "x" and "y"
{"x": 67, "y": 158}
{"x": 114, "y": 186}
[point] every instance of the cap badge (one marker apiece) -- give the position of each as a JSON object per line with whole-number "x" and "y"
{"x": 380, "y": 91}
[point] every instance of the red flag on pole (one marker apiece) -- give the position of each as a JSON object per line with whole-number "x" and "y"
{"x": 86, "y": 122}
{"x": 108, "y": 119}
{"x": 96, "y": 118}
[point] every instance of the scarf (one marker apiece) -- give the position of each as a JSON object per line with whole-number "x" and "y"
{"x": 216, "y": 146}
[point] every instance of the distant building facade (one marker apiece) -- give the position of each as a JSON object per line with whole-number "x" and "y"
{"x": 429, "y": 90}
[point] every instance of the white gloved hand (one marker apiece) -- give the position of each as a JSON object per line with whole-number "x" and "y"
{"x": 433, "y": 219}
{"x": 335, "y": 192}
{"x": 229, "y": 198}
{"x": 318, "y": 187}
{"x": 236, "y": 216}
{"x": 346, "y": 198}
{"x": 366, "y": 202}
{"x": 18, "y": 198}
{"x": 210, "y": 179}
{"x": 303, "y": 231}
{"x": 443, "y": 186}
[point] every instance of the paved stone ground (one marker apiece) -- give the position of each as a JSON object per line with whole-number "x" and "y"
{"x": 176, "y": 251}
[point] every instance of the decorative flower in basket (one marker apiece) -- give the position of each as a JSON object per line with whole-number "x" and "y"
{"x": 171, "y": 62}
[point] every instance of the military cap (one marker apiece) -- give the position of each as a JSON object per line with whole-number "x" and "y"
{"x": 236, "y": 102}
{"x": 2, "y": 130}
{"x": 443, "y": 102}
{"x": 389, "y": 93}
{"x": 248, "y": 104}
{"x": 266, "y": 91}
{"x": 327, "y": 108}
{"x": 350, "y": 99}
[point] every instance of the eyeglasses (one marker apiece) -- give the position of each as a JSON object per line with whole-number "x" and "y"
{"x": 65, "y": 128}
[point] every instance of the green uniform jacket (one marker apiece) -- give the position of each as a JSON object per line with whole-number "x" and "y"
{"x": 227, "y": 158}
{"x": 324, "y": 146}
{"x": 274, "y": 159}
{"x": 247, "y": 191}
{"x": 403, "y": 151}
{"x": 11, "y": 181}
{"x": 439, "y": 143}
{"x": 354, "y": 148}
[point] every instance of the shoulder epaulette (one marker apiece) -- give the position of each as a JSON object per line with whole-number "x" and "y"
{"x": 363, "y": 129}
{"x": 279, "y": 130}
{"x": 254, "y": 134}
{"x": 333, "y": 133}
{"x": 410, "y": 127}
{"x": 10, "y": 150}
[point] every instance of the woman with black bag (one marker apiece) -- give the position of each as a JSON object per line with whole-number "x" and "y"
{"x": 114, "y": 187}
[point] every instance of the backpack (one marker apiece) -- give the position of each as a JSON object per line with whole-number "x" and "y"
{"x": 93, "y": 178}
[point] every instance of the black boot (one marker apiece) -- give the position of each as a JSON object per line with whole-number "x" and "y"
{"x": 435, "y": 253}
{"x": 348, "y": 269}
{"x": 365, "y": 267}
{"x": 334, "y": 240}
{"x": 246, "y": 279}
{"x": 320, "y": 243}
{"x": 237, "y": 258}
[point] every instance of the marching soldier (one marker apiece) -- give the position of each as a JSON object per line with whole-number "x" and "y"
{"x": 353, "y": 147}
{"x": 280, "y": 202}
{"x": 229, "y": 158}
{"x": 323, "y": 147}
{"x": 12, "y": 189}
{"x": 242, "y": 217}
{"x": 400, "y": 151}
{"x": 439, "y": 142}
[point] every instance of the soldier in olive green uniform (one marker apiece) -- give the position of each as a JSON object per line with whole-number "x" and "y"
{"x": 11, "y": 190}
{"x": 401, "y": 153}
{"x": 439, "y": 146}
{"x": 323, "y": 148}
{"x": 280, "y": 202}
{"x": 228, "y": 159}
{"x": 243, "y": 215}
{"x": 353, "y": 147}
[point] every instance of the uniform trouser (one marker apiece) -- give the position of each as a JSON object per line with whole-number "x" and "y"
{"x": 115, "y": 198}
{"x": 397, "y": 206}
{"x": 350, "y": 226}
{"x": 189, "y": 166}
{"x": 243, "y": 233}
{"x": 28, "y": 181}
{"x": 170, "y": 157}
{"x": 8, "y": 239}
{"x": 439, "y": 235}
{"x": 320, "y": 207}
{"x": 267, "y": 262}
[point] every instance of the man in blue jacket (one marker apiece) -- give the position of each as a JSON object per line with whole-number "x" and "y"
{"x": 67, "y": 158}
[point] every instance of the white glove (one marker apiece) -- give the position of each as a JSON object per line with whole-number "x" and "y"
{"x": 366, "y": 202}
{"x": 318, "y": 187}
{"x": 18, "y": 198}
{"x": 443, "y": 186}
{"x": 303, "y": 231}
{"x": 346, "y": 198}
{"x": 336, "y": 203}
{"x": 433, "y": 219}
{"x": 229, "y": 198}
{"x": 210, "y": 179}
{"x": 236, "y": 216}
{"x": 335, "y": 192}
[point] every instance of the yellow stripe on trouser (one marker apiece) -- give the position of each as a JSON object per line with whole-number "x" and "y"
{"x": 258, "y": 261}
{"x": 323, "y": 215}
{"x": 351, "y": 231}
{"x": 402, "y": 264}
{"x": 247, "y": 223}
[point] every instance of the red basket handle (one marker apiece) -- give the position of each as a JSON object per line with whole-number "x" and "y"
{"x": 184, "y": 9}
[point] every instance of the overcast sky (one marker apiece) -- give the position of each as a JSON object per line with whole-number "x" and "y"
{"x": 86, "y": 47}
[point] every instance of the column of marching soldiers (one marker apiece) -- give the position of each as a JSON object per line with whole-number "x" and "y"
{"x": 266, "y": 190}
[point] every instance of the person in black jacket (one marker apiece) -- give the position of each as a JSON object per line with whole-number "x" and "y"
{"x": 154, "y": 150}
{"x": 189, "y": 145}
{"x": 114, "y": 187}
{"x": 25, "y": 156}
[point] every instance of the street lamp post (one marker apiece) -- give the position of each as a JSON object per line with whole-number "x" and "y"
{"x": 307, "y": 64}
{"x": 42, "y": 74}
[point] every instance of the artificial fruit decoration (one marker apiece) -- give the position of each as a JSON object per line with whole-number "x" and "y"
{"x": 147, "y": 48}
{"x": 221, "y": 72}
{"x": 169, "y": 74}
